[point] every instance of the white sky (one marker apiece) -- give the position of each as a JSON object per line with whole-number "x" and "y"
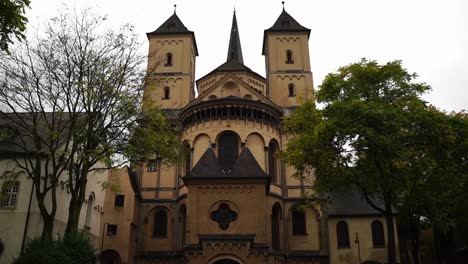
{"x": 429, "y": 36}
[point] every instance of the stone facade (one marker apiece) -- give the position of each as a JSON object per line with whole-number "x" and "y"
{"x": 230, "y": 199}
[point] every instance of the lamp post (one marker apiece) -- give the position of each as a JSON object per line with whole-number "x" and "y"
{"x": 358, "y": 247}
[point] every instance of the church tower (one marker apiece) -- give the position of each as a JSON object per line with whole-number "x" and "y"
{"x": 171, "y": 65}
{"x": 286, "y": 51}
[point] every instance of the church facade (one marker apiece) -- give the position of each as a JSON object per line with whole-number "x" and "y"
{"x": 231, "y": 200}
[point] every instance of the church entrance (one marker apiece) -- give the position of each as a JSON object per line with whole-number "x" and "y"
{"x": 226, "y": 261}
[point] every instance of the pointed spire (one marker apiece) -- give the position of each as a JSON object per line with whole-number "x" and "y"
{"x": 235, "y": 50}
{"x": 175, "y": 9}
{"x": 283, "y": 4}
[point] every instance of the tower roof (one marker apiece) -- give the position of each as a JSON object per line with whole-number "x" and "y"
{"x": 235, "y": 49}
{"x": 173, "y": 26}
{"x": 284, "y": 23}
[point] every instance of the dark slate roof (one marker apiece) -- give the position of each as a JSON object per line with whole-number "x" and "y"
{"x": 19, "y": 139}
{"x": 286, "y": 22}
{"x": 235, "y": 49}
{"x": 245, "y": 167}
{"x": 172, "y": 25}
{"x": 207, "y": 166}
{"x": 352, "y": 203}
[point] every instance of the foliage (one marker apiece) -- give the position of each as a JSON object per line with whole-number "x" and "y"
{"x": 73, "y": 250}
{"x": 12, "y": 21}
{"x": 81, "y": 85}
{"x": 375, "y": 135}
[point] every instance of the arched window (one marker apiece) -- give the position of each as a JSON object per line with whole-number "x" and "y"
{"x": 273, "y": 170}
{"x": 298, "y": 222}
{"x": 228, "y": 150}
{"x": 275, "y": 227}
{"x": 378, "y": 237}
{"x": 89, "y": 210}
{"x": 160, "y": 223}
{"x": 289, "y": 57}
{"x": 342, "y": 234}
{"x": 166, "y": 93}
{"x": 291, "y": 90}
{"x": 168, "y": 59}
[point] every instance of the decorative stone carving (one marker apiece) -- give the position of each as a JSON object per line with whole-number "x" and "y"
{"x": 224, "y": 216}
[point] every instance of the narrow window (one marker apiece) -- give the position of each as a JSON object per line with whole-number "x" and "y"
{"x": 9, "y": 194}
{"x": 166, "y": 93}
{"x": 152, "y": 165}
{"x": 89, "y": 210}
{"x": 160, "y": 224}
{"x": 187, "y": 158}
{"x": 298, "y": 222}
{"x": 119, "y": 200}
{"x": 378, "y": 237}
{"x": 289, "y": 57}
{"x": 342, "y": 235}
{"x": 291, "y": 90}
{"x": 111, "y": 230}
{"x": 228, "y": 150}
{"x": 275, "y": 227}
{"x": 183, "y": 223}
{"x": 273, "y": 161}
{"x": 168, "y": 59}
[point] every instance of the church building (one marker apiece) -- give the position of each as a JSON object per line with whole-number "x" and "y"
{"x": 231, "y": 200}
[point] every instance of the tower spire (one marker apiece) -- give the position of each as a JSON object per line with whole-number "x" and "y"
{"x": 235, "y": 50}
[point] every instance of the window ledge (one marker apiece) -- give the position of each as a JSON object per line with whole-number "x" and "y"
{"x": 300, "y": 235}
{"x": 343, "y": 247}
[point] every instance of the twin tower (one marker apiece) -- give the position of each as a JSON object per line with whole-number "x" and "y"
{"x": 172, "y": 58}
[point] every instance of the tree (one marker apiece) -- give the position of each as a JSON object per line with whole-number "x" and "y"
{"x": 374, "y": 135}
{"x": 12, "y": 21}
{"x": 81, "y": 87}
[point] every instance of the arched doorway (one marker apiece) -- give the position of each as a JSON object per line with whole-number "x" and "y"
{"x": 226, "y": 261}
{"x": 109, "y": 257}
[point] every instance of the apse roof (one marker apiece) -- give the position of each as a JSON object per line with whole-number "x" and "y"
{"x": 245, "y": 167}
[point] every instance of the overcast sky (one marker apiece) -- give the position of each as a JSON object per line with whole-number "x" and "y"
{"x": 429, "y": 36}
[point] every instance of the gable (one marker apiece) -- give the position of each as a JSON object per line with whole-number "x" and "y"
{"x": 231, "y": 86}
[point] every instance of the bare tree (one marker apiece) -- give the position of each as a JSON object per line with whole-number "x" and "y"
{"x": 81, "y": 86}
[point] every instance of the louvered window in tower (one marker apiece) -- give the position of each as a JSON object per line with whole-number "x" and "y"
{"x": 228, "y": 150}
{"x": 289, "y": 57}
{"x": 168, "y": 59}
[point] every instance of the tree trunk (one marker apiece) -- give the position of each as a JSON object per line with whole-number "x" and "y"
{"x": 390, "y": 234}
{"x": 48, "y": 229}
{"x": 74, "y": 210}
{"x": 76, "y": 202}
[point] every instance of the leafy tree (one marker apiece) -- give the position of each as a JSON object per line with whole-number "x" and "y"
{"x": 12, "y": 21}
{"x": 75, "y": 96}
{"x": 374, "y": 135}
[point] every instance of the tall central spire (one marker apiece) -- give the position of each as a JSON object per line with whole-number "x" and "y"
{"x": 235, "y": 50}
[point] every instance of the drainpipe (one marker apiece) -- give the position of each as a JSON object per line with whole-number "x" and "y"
{"x": 23, "y": 242}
